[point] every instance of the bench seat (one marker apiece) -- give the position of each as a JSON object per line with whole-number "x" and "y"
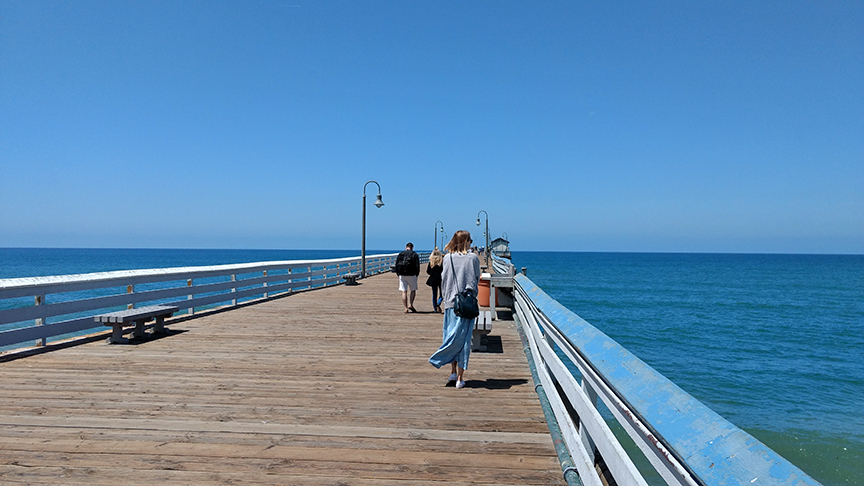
{"x": 138, "y": 316}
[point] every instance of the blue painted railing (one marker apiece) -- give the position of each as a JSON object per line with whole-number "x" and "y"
{"x": 684, "y": 441}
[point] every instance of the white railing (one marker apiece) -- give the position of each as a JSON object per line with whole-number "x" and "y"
{"x": 38, "y": 308}
{"x": 502, "y": 266}
{"x": 684, "y": 441}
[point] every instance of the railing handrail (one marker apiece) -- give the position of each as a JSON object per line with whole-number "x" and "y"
{"x": 687, "y": 442}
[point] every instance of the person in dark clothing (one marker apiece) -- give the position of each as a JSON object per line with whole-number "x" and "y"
{"x": 434, "y": 269}
{"x": 408, "y": 268}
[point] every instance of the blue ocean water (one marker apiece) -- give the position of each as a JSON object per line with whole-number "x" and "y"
{"x": 771, "y": 342}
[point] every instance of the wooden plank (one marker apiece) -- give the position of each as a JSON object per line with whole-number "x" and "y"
{"x": 324, "y": 387}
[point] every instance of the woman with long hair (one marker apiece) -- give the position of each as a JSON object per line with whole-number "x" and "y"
{"x": 461, "y": 271}
{"x": 434, "y": 269}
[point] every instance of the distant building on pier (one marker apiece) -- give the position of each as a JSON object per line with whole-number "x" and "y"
{"x": 500, "y": 247}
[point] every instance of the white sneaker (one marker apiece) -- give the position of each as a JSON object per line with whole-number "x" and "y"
{"x": 460, "y": 384}
{"x": 452, "y": 378}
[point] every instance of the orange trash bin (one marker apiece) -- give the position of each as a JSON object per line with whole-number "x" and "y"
{"x": 483, "y": 291}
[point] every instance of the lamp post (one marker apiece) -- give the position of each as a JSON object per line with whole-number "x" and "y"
{"x": 435, "y": 240}
{"x": 486, "y": 251}
{"x": 378, "y": 203}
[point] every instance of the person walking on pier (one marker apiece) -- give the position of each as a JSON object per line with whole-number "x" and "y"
{"x": 461, "y": 271}
{"x": 408, "y": 268}
{"x": 434, "y": 269}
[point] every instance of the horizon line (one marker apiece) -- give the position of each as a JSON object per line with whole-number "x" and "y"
{"x": 654, "y": 252}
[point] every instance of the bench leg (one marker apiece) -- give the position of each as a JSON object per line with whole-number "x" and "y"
{"x": 475, "y": 340}
{"x": 116, "y": 335}
{"x": 139, "y": 330}
{"x": 159, "y": 327}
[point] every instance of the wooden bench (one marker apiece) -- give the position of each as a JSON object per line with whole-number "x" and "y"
{"x": 351, "y": 278}
{"x": 139, "y": 316}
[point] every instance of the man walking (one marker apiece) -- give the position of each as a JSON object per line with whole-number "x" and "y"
{"x": 408, "y": 268}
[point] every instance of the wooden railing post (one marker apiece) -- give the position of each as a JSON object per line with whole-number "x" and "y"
{"x": 40, "y": 299}
{"x": 233, "y": 289}
{"x": 130, "y": 289}
{"x": 190, "y": 297}
{"x": 265, "y": 285}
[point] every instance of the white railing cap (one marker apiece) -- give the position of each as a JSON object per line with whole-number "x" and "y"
{"x": 35, "y": 282}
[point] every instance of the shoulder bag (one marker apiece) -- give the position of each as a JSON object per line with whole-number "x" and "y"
{"x": 466, "y": 302}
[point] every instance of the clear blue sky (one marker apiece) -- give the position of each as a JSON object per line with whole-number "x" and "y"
{"x": 578, "y": 126}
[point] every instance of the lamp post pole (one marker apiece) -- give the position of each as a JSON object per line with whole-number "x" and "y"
{"x": 378, "y": 203}
{"x": 435, "y": 240}
{"x": 486, "y": 251}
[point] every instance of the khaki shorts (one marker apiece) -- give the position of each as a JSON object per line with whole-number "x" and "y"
{"x": 407, "y": 282}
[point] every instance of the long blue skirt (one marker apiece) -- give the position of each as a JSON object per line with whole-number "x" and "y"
{"x": 456, "y": 342}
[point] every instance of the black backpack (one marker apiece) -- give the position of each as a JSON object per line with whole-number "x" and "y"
{"x": 403, "y": 262}
{"x": 399, "y": 267}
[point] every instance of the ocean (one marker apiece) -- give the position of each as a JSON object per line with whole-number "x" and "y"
{"x": 773, "y": 343}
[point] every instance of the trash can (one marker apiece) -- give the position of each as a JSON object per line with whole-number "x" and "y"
{"x": 483, "y": 290}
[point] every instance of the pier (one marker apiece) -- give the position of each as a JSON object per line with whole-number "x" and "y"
{"x": 329, "y": 386}
{"x": 285, "y": 373}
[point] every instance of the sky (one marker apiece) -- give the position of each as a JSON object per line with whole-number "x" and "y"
{"x": 576, "y": 126}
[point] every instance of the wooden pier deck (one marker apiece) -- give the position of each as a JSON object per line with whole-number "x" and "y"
{"x": 327, "y": 387}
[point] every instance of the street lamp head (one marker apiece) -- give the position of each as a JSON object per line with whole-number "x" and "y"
{"x": 378, "y": 201}
{"x": 478, "y": 220}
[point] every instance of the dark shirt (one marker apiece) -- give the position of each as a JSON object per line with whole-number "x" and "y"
{"x": 434, "y": 273}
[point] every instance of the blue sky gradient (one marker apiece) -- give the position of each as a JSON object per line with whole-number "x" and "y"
{"x": 578, "y": 126}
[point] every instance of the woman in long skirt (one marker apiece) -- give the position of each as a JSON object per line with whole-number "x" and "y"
{"x": 461, "y": 271}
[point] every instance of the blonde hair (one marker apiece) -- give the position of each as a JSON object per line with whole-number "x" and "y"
{"x": 435, "y": 259}
{"x": 460, "y": 243}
